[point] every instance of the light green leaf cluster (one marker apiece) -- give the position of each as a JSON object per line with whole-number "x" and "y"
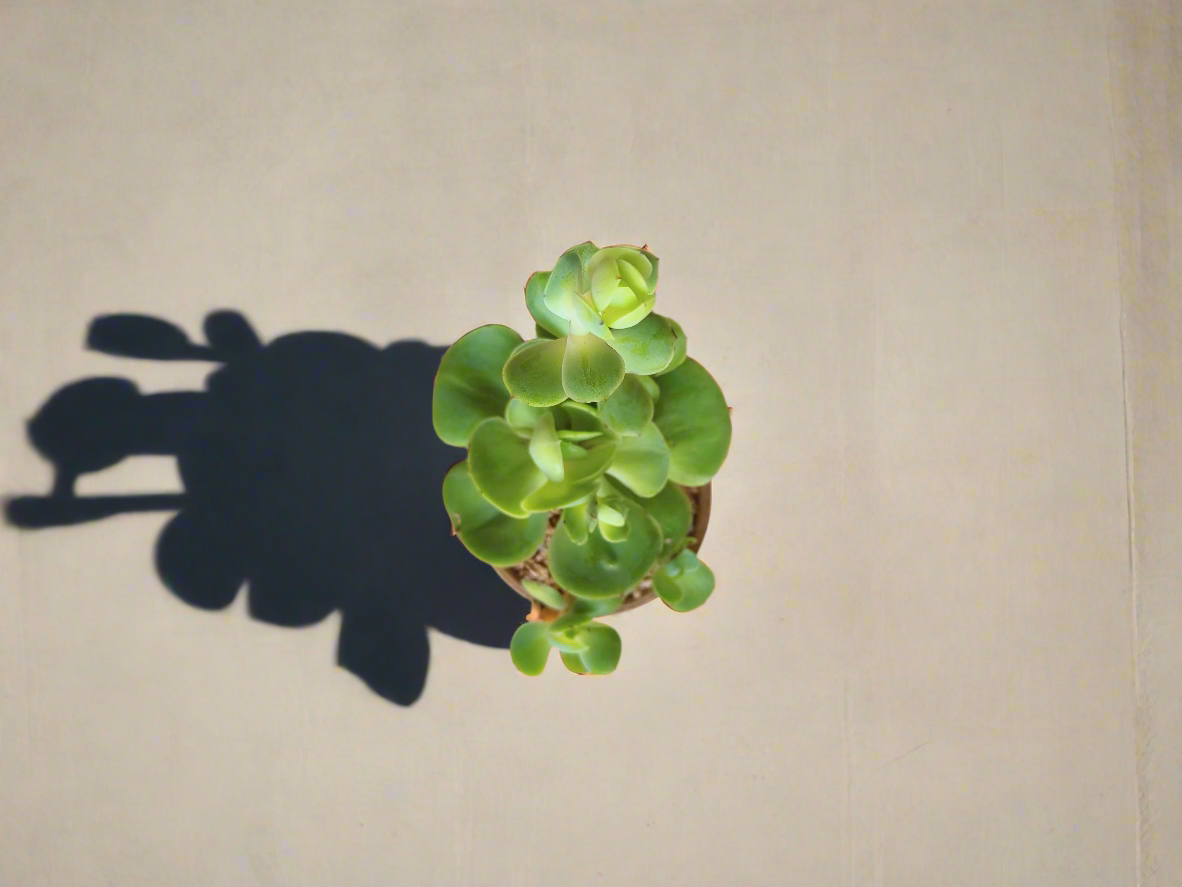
{"x": 602, "y": 418}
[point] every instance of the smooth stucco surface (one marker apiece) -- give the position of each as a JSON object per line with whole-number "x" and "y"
{"x": 930, "y": 251}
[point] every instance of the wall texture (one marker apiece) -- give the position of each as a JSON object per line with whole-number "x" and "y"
{"x": 931, "y": 252}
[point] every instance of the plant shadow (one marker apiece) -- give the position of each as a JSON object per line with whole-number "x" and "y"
{"x": 311, "y": 476}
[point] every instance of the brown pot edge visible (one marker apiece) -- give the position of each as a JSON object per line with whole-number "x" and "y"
{"x": 698, "y": 531}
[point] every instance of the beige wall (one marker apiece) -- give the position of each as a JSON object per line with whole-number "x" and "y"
{"x": 931, "y": 252}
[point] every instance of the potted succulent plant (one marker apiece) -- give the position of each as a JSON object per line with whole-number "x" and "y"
{"x": 591, "y": 448}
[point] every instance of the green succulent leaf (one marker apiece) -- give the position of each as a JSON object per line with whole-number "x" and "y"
{"x": 684, "y": 583}
{"x": 522, "y": 416}
{"x": 565, "y": 634}
{"x": 642, "y": 463}
{"x": 593, "y": 609}
{"x": 540, "y": 591}
{"x": 614, "y": 533}
{"x": 612, "y": 514}
{"x": 530, "y": 648}
{"x": 695, "y": 422}
{"x": 602, "y": 569}
{"x": 622, "y": 281}
{"x": 574, "y": 663}
{"x": 569, "y": 277}
{"x": 653, "y": 389}
{"x": 647, "y": 347}
{"x": 582, "y": 470}
{"x": 544, "y": 449}
{"x": 578, "y": 521}
{"x": 533, "y": 373}
{"x": 468, "y": 386}
{"x": 501, "y": 466}
{"x": 549, "y": 324}
{"x": 681, "y": 346}
{"x": 603, "y": 646}
{"x": 671, "y": 508}
{"x": 487, "y": 532}
{"x": 630, "y": 407}
{"x": 580, "y": 417}
{"x": 591, "y": 369}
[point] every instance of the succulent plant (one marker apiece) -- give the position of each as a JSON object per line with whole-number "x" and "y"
{"x": 582, "y": 442}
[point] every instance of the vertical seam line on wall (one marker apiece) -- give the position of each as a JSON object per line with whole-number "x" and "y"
{"x": 1125, "y": 280}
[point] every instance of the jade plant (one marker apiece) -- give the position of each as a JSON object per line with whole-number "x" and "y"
{"x": 582, "y": 442}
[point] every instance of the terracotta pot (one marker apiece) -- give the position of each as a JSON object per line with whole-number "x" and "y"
{"x": 698, "y": 531}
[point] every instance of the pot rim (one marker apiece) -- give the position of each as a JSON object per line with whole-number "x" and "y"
{"x": 698, "y": 531}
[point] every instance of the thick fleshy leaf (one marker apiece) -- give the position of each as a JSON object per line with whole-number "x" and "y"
{"x": 522, "y": 416}
{"x": 574, "y": 664}
{"x": 671, "y": 509}
{"x": 544, "y": 448}
{"x": 642, "y": 463}
{"x": 566, "y": 633}
{"x": 578, "y": 521}
{"x": 612, "y": 514}
{"x": 593, "y": 609}
{"x": 501, "y": 467}
{"x": 568, "y": 279}
{"x": 591, "y": 369}
{"x": 615, "y": 533}
{"x": 582, "y": 470}
{"x": 650, "y": 386}
{"x": 684, "y": 583}
{"x": 540, "y": 591}
{"x": 603, "y": 646}
{"x": 579, "y": 417}
{"x": 530, "y": 648}
{"x": 602, "y": 569}
{"x": 533, "y": 373}
{"x": 622, "y": 267}
{"x": 549, "y": 324}
{"x": 695, "y": 422}
{"x": 468, "y": 385}
{"x": 485, "y": 530}
{"x": 681, "y": 345}
{"x": 648, "y": 346}
{"x": 624, "y": 313}
{"x": 630, "y": 407}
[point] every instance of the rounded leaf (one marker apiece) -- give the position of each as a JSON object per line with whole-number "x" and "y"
{"x": 602, "y": 654}
{"x": 533, "y": 373}
{"x": 680, "y": 346}
{"x": 591, "y": 369}
{"x": 684, "y": 583}
{"x": 486, "y": 531}
{"x": 549, "y": 324}
{"x": 568, "y": 281}
{"x": 602, "y": 569}
{"x": 468, "y": 386}
{"x": 647, "y": 347}
{"x": 671, "y": 509}
{"x": 540, "y": 591}
{"x": 642, "y": 463}
{"x": 630, "y": 407}
{"x": 582, "y": 470}
{"x": 530, "y": 648}
{"x": 695, "y": 422}
{"x": 578, "y": 521}
{"x": 501, "y": 466}
{"x": 521, "y": 415}
{"x": 544, "y": 448}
